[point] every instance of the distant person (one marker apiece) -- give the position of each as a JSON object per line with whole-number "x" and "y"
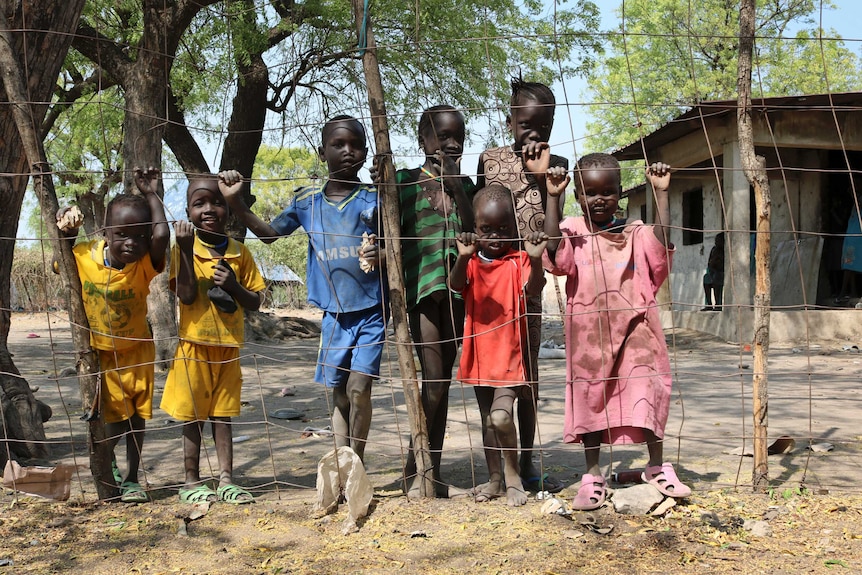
{"x": 115, "y": 274}
{"x": 851, "y": 258}
{"x": 619, "y": 381}
{"x": 495, "y": 278}
{"x": 713, "y": 279}
{"x": 336, "y": 216}
{"x": 522, "y": 167}
{"x": 215, "y": 279}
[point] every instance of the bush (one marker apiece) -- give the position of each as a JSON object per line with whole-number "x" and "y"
{"x": 34, "y": 286}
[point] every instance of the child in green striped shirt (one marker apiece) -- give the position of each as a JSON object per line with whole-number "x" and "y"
{"x": 436, "y": 206}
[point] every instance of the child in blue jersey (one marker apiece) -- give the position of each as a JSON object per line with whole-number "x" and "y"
{"x": 335, "y": 216}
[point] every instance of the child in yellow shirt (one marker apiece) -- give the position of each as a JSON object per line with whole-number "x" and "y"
{"x": 215, "y": 278}
{"x": 115, "y": 274}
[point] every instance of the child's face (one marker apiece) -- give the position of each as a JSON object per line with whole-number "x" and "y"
{"x": 128, "y": 235}
{"x": 344, "y": 151}
{"x": 207, "y": 208}
{"x": 494, "y": 222}
{"x": 599, "y": 193}
{"x": 530, "y": 121}
{"x": 446, "y": 133}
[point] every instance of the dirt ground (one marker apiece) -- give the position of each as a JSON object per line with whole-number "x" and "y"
{"x": 811, "y": 517}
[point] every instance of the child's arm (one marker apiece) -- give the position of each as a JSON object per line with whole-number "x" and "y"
{"x": 453, "y": 184}
{"x": 537, "y": 161}
{"x": 372, "y": 253}
{"x": 186, "y": 282}
{"x": 68, "y": 220}
{"x": 466, "y": 242}
{"x": 480, "y": 172}
{"x": 224, "y": 276}
{"x": 556, "y": 184}
{"x": 230, "y": 184}
{"x": 658, "y": 175}
{"x": 148, "y": 184}
{"x": 534, "y": 245}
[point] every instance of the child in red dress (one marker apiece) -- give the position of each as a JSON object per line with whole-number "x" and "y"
{"x": 495, "y": 280}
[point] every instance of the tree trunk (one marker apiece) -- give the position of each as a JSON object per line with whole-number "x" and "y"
{"x": 39, "y": 33}
{"x": 389, "y": 203}
{"x": 755, "y": 170}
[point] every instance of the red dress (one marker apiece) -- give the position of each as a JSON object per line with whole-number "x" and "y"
{"x": 495, "y": 332}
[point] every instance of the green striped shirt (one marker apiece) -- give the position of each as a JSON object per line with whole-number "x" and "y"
{"x": 427, "y": 235}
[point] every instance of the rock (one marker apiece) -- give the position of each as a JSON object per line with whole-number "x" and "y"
{"x": 758, "y": 528}
{"x": 636, "y": 500}
{"x": 711, "y": 519}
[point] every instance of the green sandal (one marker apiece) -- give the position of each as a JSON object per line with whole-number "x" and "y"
{"x": 133, "y": 493}
{"x": 115, "y": 471}
{"x": 200, "y": 494}
{"x": 235, "y": 494}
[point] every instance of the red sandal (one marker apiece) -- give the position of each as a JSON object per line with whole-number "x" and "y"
{"x": 664, "y": 478}
{"x": 591, "y": 494}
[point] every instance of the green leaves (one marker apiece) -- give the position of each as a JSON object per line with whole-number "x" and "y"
{"x": 673, "y": 56}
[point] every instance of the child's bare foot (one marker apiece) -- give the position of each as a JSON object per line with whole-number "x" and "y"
{"x": 453, "y": 492}
{"x": 441, "y": 490}
{"x": 515, "y": 496}
{"x": 488, "y": 491}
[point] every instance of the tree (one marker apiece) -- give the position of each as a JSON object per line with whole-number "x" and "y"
{"x": 41, "y": 32}
{"x": 279, "y": 172}
{"x": 668, "y": 55}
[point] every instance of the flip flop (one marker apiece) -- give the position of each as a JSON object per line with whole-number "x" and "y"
{"x": 782, "y": 445}
{"x": 133, "y": 493}
{"x": 200, "y": 494}
{"x": 664, "y": 478}
{"x": 234, "y": 494}
{"x": 286, "y": 413}
{"x": 591, "y": 494}
{"x": 543, "y": 483}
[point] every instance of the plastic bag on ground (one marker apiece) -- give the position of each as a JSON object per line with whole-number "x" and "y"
{"x": 342, "y": 472}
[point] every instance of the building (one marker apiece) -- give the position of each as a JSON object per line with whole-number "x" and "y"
{"x": 811, "y": 145}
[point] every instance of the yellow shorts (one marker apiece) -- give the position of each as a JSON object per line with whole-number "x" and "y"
{"x": 205, "y": 381}
{"x": 127, "y": 382}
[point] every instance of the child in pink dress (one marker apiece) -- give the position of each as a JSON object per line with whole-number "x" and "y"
{"x": 618, "y": 373}
{"x": 495, "y": 278}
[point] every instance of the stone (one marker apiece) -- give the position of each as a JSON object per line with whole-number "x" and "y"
{"x": 636, "y": 500}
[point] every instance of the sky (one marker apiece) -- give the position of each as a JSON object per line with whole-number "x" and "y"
{"x": 845, "y": 19}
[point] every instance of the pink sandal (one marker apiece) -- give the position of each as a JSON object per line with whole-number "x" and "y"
{"x": 664, "y": 478}
{"x": 591, "y": 494}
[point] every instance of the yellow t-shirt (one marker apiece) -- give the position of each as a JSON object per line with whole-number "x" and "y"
{"x": 202, "y": 322}
{"x": 115, "y": 300}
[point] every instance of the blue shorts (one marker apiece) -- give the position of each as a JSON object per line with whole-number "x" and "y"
{"x": 350, "y": 342}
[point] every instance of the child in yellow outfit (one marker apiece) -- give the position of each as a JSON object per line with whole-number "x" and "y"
{"x": 215, "y": 278}
{"x": 115, "y": 277}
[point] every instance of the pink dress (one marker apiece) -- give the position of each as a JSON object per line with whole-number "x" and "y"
{"x": 618, "y": 372}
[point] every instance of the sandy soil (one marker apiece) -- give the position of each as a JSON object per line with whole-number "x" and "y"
{"x": 813, "y": 507}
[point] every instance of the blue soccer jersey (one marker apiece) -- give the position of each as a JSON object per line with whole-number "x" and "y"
{"x": 334, "y": 279}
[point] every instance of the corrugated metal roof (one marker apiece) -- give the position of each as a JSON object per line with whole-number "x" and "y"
{"x": 690, "y": 121}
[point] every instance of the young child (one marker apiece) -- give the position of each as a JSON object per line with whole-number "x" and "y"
{"x": 115, "y": 277}
{"x": 215, "y": 279}
{"x": 713, "y": 279}
{"x": 436, "y": 206}
{"x": 495, "y": 278}
{"x": 522, "y": 167}
{"x": 618, "y": 371}
{"x": 335, "y": 216}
